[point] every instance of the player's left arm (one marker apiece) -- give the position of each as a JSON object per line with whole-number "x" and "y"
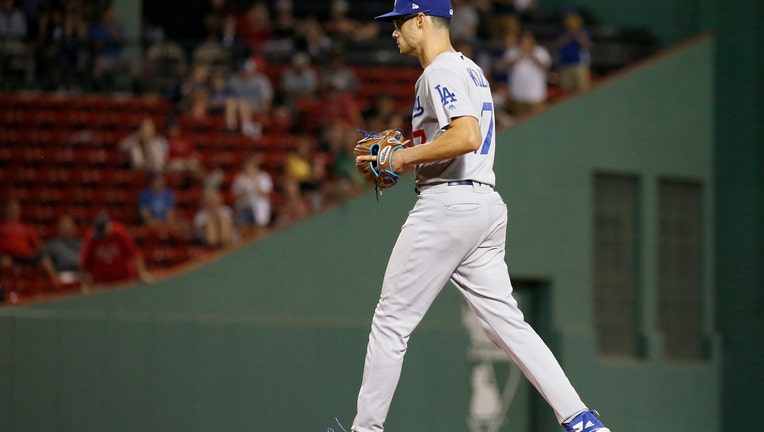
{"x": 461, "y": 136}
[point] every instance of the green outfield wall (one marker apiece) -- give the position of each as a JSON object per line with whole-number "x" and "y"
{"x": 271, "y": 337}
{"x": 739, "y": 172}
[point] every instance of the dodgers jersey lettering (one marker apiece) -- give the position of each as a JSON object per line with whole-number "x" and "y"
{"x": 454, "y": 86}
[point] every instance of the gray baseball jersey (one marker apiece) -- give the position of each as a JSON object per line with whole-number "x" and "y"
{"x": 454, "y": 86}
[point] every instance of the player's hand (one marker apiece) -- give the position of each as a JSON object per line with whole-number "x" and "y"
{"x": 374, "y": 157}
{"x": 396, "y": 163}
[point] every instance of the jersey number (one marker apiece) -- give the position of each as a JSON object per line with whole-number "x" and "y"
{"x": 420, "y": 137}
{"x": 487, "y": 108}
{"x": 419, "y": 134}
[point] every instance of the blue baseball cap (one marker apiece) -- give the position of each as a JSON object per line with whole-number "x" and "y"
{"x": 438, "y": 8}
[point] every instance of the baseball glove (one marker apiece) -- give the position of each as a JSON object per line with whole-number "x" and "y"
{"x": 382, "y": 145}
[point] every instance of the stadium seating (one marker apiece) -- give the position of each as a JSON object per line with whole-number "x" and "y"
{"x": 59, "y": 155}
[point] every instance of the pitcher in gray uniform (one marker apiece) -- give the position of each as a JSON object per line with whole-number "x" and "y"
{"x": 457, "y": 228}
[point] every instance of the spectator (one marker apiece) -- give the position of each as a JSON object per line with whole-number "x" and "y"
{"x": 164, "y": 64}
{"x": 251, "y": 190}
{"x": 228, "y": 38}
{"x": 215, "y": 17}
{"x": 337, "y": 75}
{"x": 156, "y": 203}
{"x": 213, "y": 223}
{"x": 312, "y": 39}
{"x": 62, "y": 40}
{"x": 182, "y": 156}
{"x": 514, "y": 6}
{"x": 528, "y": 64}
{"x": 303, "y": 167}
{"x": 13, "y": 22}
{"x": 195, "y": 92}
{"x": 107, "y": 39}
{"x": 220, "y": 97}
{"x": 294, "y": 206}
{"x": 281, "y": 125}
{"x": 19, "y": 242}
{"x": 284, "y": 24}
{"x": 213, "y": 54}
{"x": 299, "y": 80}
{"x": 144, "y": 149}
{"x": 254, "y": 93}
{"x": 253, "y": 27}
{"x": 485, "y": 28}
{"x": 573, "y": 44}
{"x": 16, "y": 58}
{"x": 340, "y": 107}
{"x": 110, "y": 255}
{"x": 504, "y": 19}
{"x": 222, "y": 101}
{"x": 498, "y": 67}
{"x": 465, "y": 22}
{"x": 346, "y": 178}
{"x": 61, "y": 255}
{"x": 32, "y": 10}
{"x": 338, "y": 83}
{"x": 340, "y": 27}
{"x": 382, "y": 114}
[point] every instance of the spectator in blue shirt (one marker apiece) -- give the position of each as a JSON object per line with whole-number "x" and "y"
{"x": 573, "y": 45}
{"x": 156, "y": 203}
{"x": 107, "y": 38}
{"x": 61, "y": 255}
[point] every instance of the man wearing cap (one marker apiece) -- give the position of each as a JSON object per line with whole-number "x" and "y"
{"x": 457, "y": 228}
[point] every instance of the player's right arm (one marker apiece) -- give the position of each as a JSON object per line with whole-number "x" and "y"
{"x": 460, "y": 137}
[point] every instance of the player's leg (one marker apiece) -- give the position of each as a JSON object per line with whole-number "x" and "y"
{"x": 427, "y": 251}
{"x": 484, "y": 281}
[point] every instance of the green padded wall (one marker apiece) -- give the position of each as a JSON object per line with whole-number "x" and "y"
{"x": 739, "y": 165}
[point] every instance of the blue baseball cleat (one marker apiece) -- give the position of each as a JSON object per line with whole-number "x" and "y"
{"x": 587, "y": 421}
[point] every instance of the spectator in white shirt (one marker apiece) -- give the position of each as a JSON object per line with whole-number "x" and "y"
{"x": 528, "y": 64}
{"x": 251, "y": 189}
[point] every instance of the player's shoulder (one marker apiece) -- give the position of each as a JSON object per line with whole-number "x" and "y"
{"x": 447, "y": 66}
{"x": 452, "y": 60}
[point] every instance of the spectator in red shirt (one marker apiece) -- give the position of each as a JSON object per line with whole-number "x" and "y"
{"x": 19, "y": 242}
{"x": 253, "y": 27}
{"x": 109, "y": 254}
{"x": 183, "y": 157}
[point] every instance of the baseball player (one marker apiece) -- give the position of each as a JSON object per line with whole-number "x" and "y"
{"x": 457, "y": 228}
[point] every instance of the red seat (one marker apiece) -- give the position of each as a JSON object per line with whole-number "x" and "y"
{"x": 64, "y": 156}
{"x": 188, "y": 198}
{"x": 59, "y": 177}
{"x": 45, "y": 217}
{"x": 225, "y": 160}
{"x": 6, "y": 156}
{"x": 26, "y": 176}
{"x": 119, "y": 197}
{"x": 122, "y": 178}
{"x": 53, "y": 196}
{"x": 83, "y": 196}
{"x": 88, "y": 177}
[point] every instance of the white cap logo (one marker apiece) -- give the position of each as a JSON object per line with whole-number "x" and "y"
{"x": 414, "y": 6}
